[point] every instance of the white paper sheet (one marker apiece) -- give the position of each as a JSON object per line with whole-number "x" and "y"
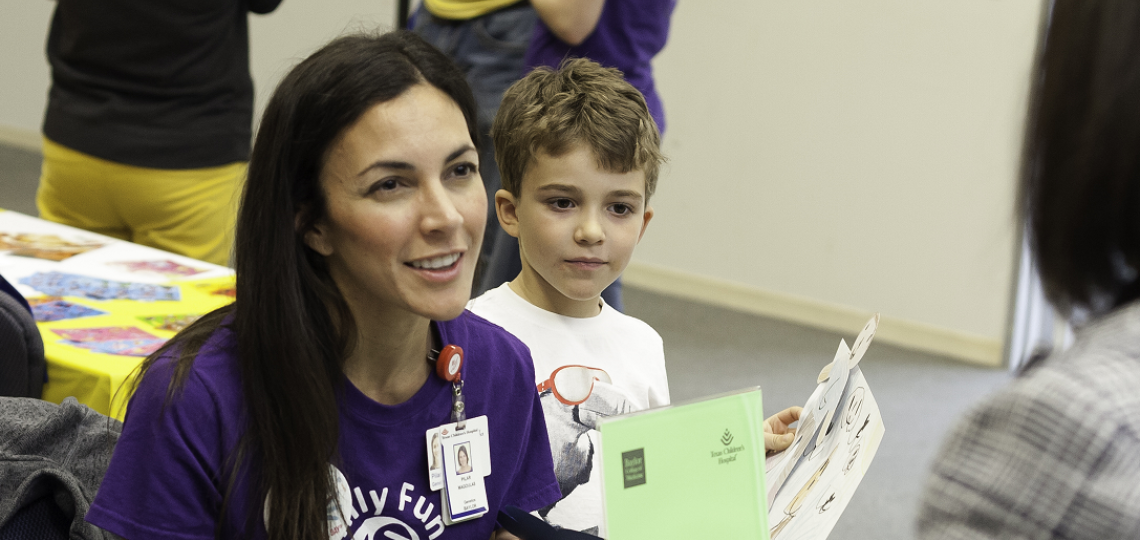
{"x": 810, "y": 484}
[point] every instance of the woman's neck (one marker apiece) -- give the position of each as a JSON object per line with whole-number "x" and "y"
{"x": 389, "y": 363}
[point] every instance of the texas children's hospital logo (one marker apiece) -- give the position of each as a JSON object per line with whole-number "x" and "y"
{"x": 727, "y": 453}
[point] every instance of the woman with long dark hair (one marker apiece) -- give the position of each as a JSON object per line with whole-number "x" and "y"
{"x": 305, "y": 409}
{"x": 1056, "y": 454}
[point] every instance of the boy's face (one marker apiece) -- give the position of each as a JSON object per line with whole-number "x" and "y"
{"x": 577, "y": 226}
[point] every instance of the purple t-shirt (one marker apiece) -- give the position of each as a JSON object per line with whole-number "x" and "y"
{"x": 163, "y": 478}
{"x": 629, "y": 34}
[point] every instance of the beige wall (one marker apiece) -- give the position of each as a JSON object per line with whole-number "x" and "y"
{"x": 298, "y": 27}
{"x": 24, "y": 75}
{"x": 830, "y": 159}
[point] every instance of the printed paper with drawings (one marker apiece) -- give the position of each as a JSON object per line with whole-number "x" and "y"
{"x": 810, "y": 484}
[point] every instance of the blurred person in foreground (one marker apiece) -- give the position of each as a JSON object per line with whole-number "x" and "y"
{"x": 1056, "y": 454}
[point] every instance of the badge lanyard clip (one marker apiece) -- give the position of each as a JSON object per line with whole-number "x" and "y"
{"x": 447, "y": 366}
{"x": 459, "y": 454}
{"x": 458, "y": 406}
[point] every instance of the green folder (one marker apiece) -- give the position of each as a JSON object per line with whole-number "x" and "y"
{"x": 692, "y": 470}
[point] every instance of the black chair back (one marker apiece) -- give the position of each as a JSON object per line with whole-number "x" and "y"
{"x": 22, "y": 364}
{"x": 41, "y": 519}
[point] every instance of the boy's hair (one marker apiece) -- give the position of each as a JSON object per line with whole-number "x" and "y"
{"x": 549, "y": 110}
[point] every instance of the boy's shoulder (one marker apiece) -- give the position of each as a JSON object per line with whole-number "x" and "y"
{"x": 627, "y": 348}
{"x": 507, "y": 309}
{"x": 618, "y": 322}
{"x": 496, "y": 301}
{"x": 544, "y": 331}
{"x": 504, "y": 307}
{"x": 474, "y": 330}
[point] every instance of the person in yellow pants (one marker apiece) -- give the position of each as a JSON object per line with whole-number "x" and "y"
{"x": 149, "y": 146}
{"x": 190, "y": 212}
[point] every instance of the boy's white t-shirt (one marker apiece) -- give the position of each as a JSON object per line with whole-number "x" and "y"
{"x": 630, "y": 353}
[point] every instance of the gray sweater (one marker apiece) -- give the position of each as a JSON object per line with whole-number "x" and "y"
{"x": 1055, "y": 455}
{"x": 58, "y": 449}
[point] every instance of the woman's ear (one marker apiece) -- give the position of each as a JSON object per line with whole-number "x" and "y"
{"x": 317, "y": 235}
{"x": 506, "y": 207}
{"x": 317, "y": 240}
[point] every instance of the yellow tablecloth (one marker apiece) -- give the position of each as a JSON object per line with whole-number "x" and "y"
{"x": 98, "y": 379}
{"x": 28, "y": 247}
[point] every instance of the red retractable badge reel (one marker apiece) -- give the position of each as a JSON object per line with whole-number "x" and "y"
{"x": 448, "y": 364}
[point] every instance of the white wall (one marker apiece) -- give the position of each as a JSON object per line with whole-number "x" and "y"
{"x": 24, "y": 77}
{"x": 831, "y": 159}
{"x": 277, "y": 41}
{"x": 298, "y": 27}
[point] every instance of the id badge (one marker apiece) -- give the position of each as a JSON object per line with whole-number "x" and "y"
{"x": 464, "y": 489}
{"x": 458, "y": 462}
{"x": 464, "y": 499}
{"x": 479, "y": 455}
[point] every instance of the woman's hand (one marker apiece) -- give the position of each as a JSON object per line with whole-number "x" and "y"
{"x": 777, "y": 433}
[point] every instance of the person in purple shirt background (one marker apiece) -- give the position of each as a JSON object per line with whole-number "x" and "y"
{"x": 623, "y": 34}
{"x": 302, "y": 410}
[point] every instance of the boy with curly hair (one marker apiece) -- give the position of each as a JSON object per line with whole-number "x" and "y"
{"x": 579, "y": 156}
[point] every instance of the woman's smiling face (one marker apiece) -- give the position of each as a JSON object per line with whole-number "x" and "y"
{"x": 405, "y": 208}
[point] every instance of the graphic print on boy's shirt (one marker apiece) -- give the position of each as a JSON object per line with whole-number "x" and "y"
{"x": 574, "y": 398}
{"x": 585, "y": 369}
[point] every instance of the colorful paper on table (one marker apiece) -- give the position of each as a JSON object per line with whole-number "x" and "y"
{"x": 60, "y": 284}
{"x": 101, "y": 380}
{"x": 171, "y": 323}
{"x": 219, "y": 289}
{"x": 58, "y": 309}
{"x": 693, "y": 470}
{"x": 166, "y": 268}
{"x": 120, "y": 340}
{"x": 125, "y": 347}
{"x": 811, "y": 483}
{"x": 95, "y": 378}
{"x": 45, "y": 246}
{"x": 107, "y": 333}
